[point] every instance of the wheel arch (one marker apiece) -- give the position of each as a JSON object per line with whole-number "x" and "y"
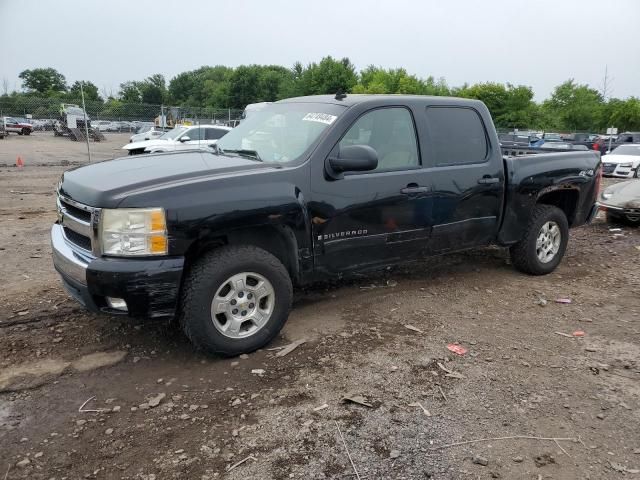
{"x": 279, "y": 240}
{"x": 566, "y": 199}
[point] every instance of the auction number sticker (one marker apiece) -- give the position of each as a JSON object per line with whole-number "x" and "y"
{"x": 320, "y": 117}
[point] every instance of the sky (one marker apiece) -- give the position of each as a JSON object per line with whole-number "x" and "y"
{"x": 536, "y": 43}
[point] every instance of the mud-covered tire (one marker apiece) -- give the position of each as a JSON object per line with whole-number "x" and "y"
{"x": 524, "y": 254}
{"x": 204, "y": 279}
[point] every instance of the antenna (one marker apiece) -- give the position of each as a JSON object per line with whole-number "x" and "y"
{"x": 340, "y": 95}
{"x": 606, "y": 84}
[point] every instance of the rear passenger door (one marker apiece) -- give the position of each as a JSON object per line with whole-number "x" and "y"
{"x": 466, "y": 178}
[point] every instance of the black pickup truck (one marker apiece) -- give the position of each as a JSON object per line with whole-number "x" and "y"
{"x": 305, "y": 189}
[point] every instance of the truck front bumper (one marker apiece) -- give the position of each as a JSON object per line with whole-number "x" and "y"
{"x": 148, "y": 287}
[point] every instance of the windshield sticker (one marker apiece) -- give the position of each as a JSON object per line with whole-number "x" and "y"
{"x": 320, "y": 117}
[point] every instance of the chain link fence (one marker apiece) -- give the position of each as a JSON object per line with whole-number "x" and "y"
{"x": 113, "y": 115}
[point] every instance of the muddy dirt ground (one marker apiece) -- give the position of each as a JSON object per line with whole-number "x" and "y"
{"x": 158, "y": 410}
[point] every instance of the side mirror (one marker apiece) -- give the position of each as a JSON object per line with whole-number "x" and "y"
{"x": 353, "y": 158}
{"x": 185, "y": 138}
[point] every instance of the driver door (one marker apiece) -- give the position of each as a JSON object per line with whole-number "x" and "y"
{"x": 378, "y": 217}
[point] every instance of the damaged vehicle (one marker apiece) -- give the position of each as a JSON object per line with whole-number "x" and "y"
{"x": 307, "y": 189}
{"x": 621, "y": 202}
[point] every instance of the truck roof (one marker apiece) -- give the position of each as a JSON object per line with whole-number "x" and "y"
{"x": 351, "y": 99}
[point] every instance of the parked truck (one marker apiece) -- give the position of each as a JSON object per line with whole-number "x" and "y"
{"x": 307, "y": 189}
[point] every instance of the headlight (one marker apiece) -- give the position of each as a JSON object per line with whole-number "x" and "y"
{"x": 133, "y": 231}
{"x": 626, "y": 165}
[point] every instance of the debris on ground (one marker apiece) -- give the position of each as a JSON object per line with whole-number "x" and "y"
{"x": 419, "y": 405}
{"x": 563, "y": 334}
{"x": 291, "y": 347}
{"x": 564, "y": 301}
{"x": 622, "y": 469}
{"x": 415, "y": 329}
{"x": 155, "y": 401}
{"x": 457, "y": 349}
{"x": 358, "y": 399}
{"x": 258, "y": 371}
{"x": 544, "y": 459}
{"x": 478, "y": 460}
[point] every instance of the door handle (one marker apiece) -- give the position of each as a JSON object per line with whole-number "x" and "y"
{"x": 410, "y": 189}
{"x": 487, "y": 179}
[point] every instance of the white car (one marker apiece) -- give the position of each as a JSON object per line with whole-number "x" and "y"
{"x": 147, "y": 133}
{"x": 102, "y": 125}
{"x": 180, "y": 138}
{"x": 623, "y": 161}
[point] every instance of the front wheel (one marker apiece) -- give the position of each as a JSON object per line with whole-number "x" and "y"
{"x": 544, "y": 242}
{"x": 26, "y": 131}
{"x": 235, "y": 300}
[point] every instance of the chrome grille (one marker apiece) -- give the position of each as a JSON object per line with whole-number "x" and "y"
{"x": 608, "y": 167}
{"x": 78, "y": 221}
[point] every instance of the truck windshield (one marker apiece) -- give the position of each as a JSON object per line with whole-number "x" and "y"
{"x": 281, "y": 132}
{"x": 627, "y": 150}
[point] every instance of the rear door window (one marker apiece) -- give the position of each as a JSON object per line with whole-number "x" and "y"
{"x": 457, "y": 136}
{"x": 214, "y": 133}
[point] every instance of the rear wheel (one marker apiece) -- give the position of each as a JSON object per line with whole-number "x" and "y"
{"x": 235, "y": 300}
{"x": 544, "y": 243}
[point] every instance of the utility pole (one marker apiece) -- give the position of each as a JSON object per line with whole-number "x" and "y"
{"x": 86, "y": 127}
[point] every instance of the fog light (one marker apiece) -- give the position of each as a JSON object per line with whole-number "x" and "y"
{"x": 117, "y": 304}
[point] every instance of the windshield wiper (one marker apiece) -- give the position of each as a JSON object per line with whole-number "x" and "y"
{"x": 243, "y": 152}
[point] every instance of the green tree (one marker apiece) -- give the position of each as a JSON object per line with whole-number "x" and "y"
{"x": 328, "y": 76}
{"x": 576, "y": 107}
{"x": 153, "y": 90}
{"x": 626, "y": 115}
{"x": 130, "y": 92}
{"x": 43, "y": 80}
{"x": 244, "y": 87}
{"x": 90, "y": 91}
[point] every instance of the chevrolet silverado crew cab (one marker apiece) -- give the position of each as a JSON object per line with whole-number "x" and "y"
{"x": 304, "y": 189}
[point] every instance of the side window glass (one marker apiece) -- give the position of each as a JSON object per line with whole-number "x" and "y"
{"x": 390, "y": 132}
{"x": 194, "y": 134}
{"x": 214, "y": 133}
{"x": 457, "y": 136}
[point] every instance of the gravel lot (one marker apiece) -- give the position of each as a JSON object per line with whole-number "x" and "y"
{"x": 159, "y": 410}
{"x": 43, "y": 148}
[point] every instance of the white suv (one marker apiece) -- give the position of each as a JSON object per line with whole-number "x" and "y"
{"x": 180, "y": 138}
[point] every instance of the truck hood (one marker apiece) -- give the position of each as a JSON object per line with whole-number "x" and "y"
{"x": 106, "y": 184}
{"x": 146, "y": 144}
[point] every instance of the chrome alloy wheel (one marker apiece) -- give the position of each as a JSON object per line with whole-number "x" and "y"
{"x": 242, "y": 305}
{"x": 548, "y": 242}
